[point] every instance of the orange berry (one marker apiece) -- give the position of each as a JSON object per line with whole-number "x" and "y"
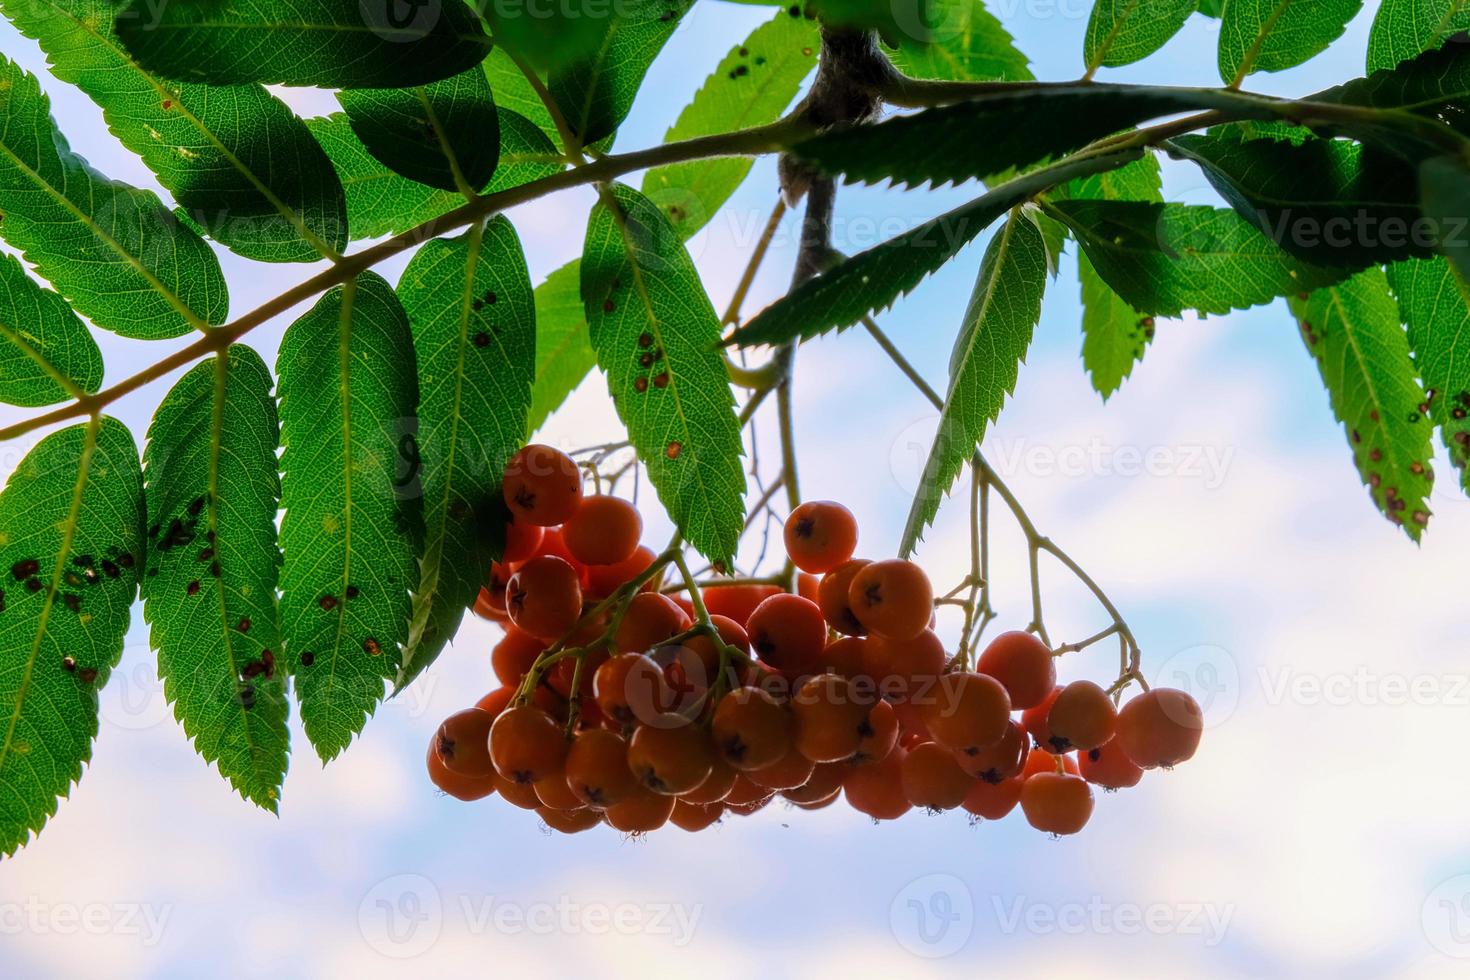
{"x": 932, "y": 779}
{"x": 877, "y": 789}
{"x": 522, "y": 540}
{"x": 564, "y": 672}
{"x": 671, "y": 755}
{"x": 542, "y": 485}
{"x": 641, "y": 813}
{"x": 556, "y": 792}
{"x": 650, "y": 621}
{"x": 569, "y": 821}
{"x": 819, "y": 804}
{"x": 1040, "y": 760}
{"x": 731, "y": 632}
{"x": 745, "y": 792}
{"x": 497, "y": 700}
{"x": 457, "y": 785}
{"x": 830, "y": 715}
{"x": 1023, "y": 665}
{"x": 792, "y": 770}
{"x": 522, "y": 795}
{"x": 967, "y": 711}
{"x": 1108, "y": 766}
{"x": 992, "y": 801}
{"x": 906, "y": 668}
{"x": 824, "y": 782}
{"x": 788, "y": 633}
{"x": 597, "y": 768}
{"x": 999, "y": 762}
{"x": 462, "y": 742}
{"x": 1057, "y": 803}
{"x": 746, "y": 809}
{"x": 716, "y": 786}
{"x": 832, "y": 597}
{"x": 737, "y": 601}
{"x": 526, "y": 744}
{"x": 820, "y": 535}
{"x": 604, "y": 580}
{"x": 631, "y": 687}
{"x": 892, "y": 597}
{"x": 490, "y": 604}
{"x": 604, "y": 531}
{"x": 695, "y": 817}
{"x": 1082, "y": 717}
{"x": 750, "y": 729}
{"x": 514, "y": 655}
{"x": 879, "y": 735}
{"x": 544, "y": 598}
{"x": 1033, "y": 719}
{"x": 1161, "y": 727}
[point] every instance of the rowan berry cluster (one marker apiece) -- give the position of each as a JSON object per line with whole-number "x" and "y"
{"x": 637, "y": 700}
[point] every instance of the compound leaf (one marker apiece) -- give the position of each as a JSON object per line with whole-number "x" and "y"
{"x": 1273, "y": 35}
{"x": 47, "y": 354}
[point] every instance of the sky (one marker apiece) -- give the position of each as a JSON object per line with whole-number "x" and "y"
{"x": 1320, "y": 830}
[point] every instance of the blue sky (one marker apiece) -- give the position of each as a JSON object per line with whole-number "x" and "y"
{"x": 1320, "y": 830}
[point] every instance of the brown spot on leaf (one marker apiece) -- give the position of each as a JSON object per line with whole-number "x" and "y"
{"x": 673, "y": 449}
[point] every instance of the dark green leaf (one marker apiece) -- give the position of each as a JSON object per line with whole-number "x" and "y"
{"x": 596, "y": 91}
{"x": 474, "y": 328}
{"x": 526, "y": 154}
{"x": 564, "y": 351}
{"x": 235, "y": 158}
{"x": 444, "y": 134}
{"x": 1272, "y": 35}
{"x": 353, "y": 518}
{"x": 752, "y": 86}
{"x": 994, "y": 133}
{"x": 554, "y": 35}
{"x": 1353, "y": 331}
{"x": 47, "y": 354}
{"x": 1114, "y": 334}
{"x": 1434, "y": 301}
{"x": 655, "y": 333}
{"x": 994, "y": 336}
{"x": 210, "y": 591}
{"x": 967, "y": 45}
{"x": 1136, "y": 181}
{"x": 1444, "y": 189}
{"x": 873, "y": 280}
{"x": 327, "y": 43}
{"x": 1121, "y": 32}
{"x": 71, "y": 529}
{"x": 513, "y": 90}
{"x": 1330, "y": 202}
{"x": 1403, "y": 28}
{"x": 114, "y": 251}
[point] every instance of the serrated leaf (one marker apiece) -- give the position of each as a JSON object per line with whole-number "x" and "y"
{"x": 751, "y": 86}
{"x": 71, "y": 529}
{"x": 994, "y": 336}
{"x": 380, "y": 202}
{"x": 1434, "y": 302}
{"x": 327, "y": 43}
{"x": 1114, "y": 334}
{"x": 46, "y": 352}
{"x": 444, "y": 134}
{"x": 656, "y": 333}
{"x": 968, "y": 45}
{"x": 564, "y": 351}
{"x": 1140, "y": 180}
{"x": 873, "y": 280}
{"x": 474, "y": 327}
{"x": 1163, "y": 259}
{"x": 991, "y": 134}
{"x": 235, "y": 159}
{"x": 595, "y": 92}
{"x": 1330, "y": 202}
{"x": 210, "y": 590}
{"x": 1273, "y": 35}
{"x": 1352, "y": 330}
{"x": 1403, "y": 28}
{"x": 1120, "y": 32}
{"x": 353, "y": 520}
{"x": 115, "y": 252}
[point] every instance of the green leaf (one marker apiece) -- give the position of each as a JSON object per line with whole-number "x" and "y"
{"x": 752, "y": 85}
{"x": 996, "y": 332}
{"x": 1330, "y": 202}
{"x": 596, "y": 91}
{"x": 513, "y": 90}
{"x": 1114, "y": 334}
{"x": 1403, "y": 28}
{"x": 380, "y": 202}
{"x": 873, "y": 280}
{"x": 991, "y": 134}
{"x": 554, "y": 35}
{"x": 564, "y": 351}
{"x": 1444, "y": 189}
{"x": 1434, "y": 301}
{"x": 474, "y": 328}
{"x": 47, "y": 354}
{"x": 1353, "y": 332}
{"x": 71, "y": 529}
{"x": 444, "y": 134}
{"x": 1140, "y": 180}
{"x": 115, "y": 252}
{"x": 327, "y": 43}
{"x": 1163, "y": 259}
{"x": 350, "y": 534}
{"x": 656, "y": 337}
{"x": 210, "y": 591}
{"x": 1273, "y": 35}
{"x": 235, "y": 159}
{"x": 1211, "y": 8}
{"x": 1121, "y": 32}
{"x": 969, "y": 45}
